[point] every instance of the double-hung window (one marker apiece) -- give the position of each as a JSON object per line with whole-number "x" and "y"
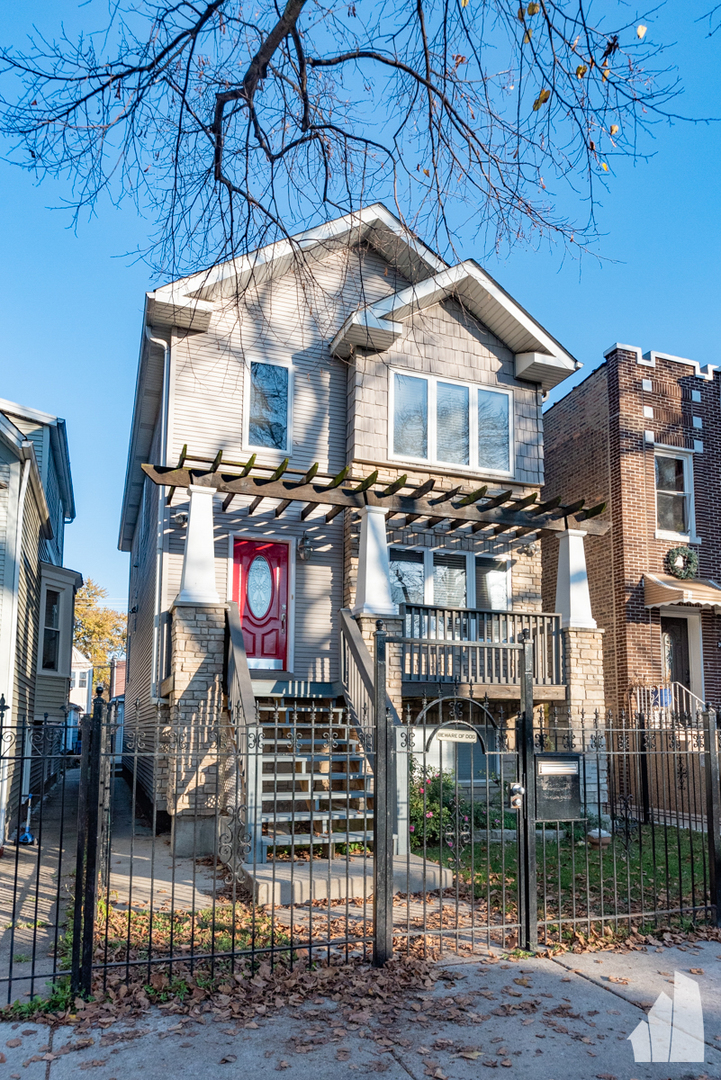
{"x": 451, "y": 423}
{"x": 269, "y": 406}
{"x": 449, "y": 579}
{"x": 51, "y": 631}
{"x": 674, "y": 494}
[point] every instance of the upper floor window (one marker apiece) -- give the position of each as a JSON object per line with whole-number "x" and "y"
{"x": 674, "y": 493}
{"x": 268, "y": 413}
{"x": 451, "y": 423}
{"x": 83, "y": 679}
{"x": 450, "y": 579}
{"x": 51, "y": 631}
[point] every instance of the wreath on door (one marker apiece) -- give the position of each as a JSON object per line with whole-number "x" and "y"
{"x": 682, "y": 562}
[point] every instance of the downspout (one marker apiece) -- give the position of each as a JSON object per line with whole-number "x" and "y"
{"x": 20, "y": 518}
{"x": 155, "y": 674}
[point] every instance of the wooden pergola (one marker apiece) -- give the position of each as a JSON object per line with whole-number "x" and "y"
{"x": 486, "y": 512}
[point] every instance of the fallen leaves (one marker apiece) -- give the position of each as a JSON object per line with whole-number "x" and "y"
{"x": 696, "y": 971}
{"x": 228, "y": 1059}
{"x": 12, "y": 1043}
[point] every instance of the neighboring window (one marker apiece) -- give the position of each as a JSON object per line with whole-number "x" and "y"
{"x": 408, "y": 576}
{"x": 72, "y": 680}
{"x": 51, "y": 631}
{"x": 491, "y": 585}
{"x": 268, "y": 416}
{"x": 449, "y": 579}
{"x": 673, "y": 493}
{"x": 83, "y": 680}
{"x": 410, "y": 420}
{"x": 451, "y": 423}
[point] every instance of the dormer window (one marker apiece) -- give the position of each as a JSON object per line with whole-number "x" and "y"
{"x": 451, "y": 423}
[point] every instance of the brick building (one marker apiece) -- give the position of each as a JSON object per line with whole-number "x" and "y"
{"x": 641, "y": 433}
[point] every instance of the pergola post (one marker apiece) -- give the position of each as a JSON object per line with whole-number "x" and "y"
{"x": 573, "y": 599}
{"x": 373, "y": 588}
{"x": 197, "y": 585}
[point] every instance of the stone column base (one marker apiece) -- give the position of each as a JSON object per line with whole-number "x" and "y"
{"x": 394, "y": 654}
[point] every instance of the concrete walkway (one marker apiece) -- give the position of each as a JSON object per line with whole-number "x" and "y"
{"x": 567, "y": 1018}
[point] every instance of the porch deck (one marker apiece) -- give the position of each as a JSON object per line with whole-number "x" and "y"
{"x": 474, "y": 647}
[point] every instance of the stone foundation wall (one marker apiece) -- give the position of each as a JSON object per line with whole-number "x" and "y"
{"x": 200, "y": 755}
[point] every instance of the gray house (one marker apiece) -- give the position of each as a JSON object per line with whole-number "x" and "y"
{"x": 37, "y": 594}
{"x": 332, "y": 430}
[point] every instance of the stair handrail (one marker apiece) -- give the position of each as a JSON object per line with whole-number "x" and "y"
{"x": 239, "y": 687}
{"x": 355, "y": 651}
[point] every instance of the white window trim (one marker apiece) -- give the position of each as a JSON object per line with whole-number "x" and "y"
{"x": 291, "y": 544}
{"x": 470, "y": 557}
{"x": 687, "y": 457}
{"x": 432, "y": 459}
{"x": 62, "y": 586}
{"x": 268, "y": 451}
{"x": 695, "y": 644}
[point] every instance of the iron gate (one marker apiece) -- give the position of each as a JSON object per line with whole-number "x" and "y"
{"x": 200, "y": 846}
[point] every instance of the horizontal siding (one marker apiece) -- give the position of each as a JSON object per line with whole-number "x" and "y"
{"x": 51, "y": 695}
{"x": 5, "y": 541}
{"x": 282, "y": 323}
{"x": 140, "y": 719}
{"x": 318, "y": 583}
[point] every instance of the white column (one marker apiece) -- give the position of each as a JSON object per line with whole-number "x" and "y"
{"x": 197, "y": 585}
{"x": 573, "y": 600}
{"x": 373, "y": 590}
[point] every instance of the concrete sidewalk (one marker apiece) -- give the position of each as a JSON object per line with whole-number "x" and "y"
{"x": 566, "y": 1018}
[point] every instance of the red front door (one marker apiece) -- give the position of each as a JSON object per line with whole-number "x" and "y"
{"x": 260, "y": 588}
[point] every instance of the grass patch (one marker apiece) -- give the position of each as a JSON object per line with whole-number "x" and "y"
{"x": 654, "y": 869}
{"x": 59, "y": 1000}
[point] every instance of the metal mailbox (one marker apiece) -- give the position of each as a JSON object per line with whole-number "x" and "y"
{"x": 558, "y": 787}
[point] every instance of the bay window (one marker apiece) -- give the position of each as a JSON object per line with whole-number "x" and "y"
{"x": 451, "y": 423}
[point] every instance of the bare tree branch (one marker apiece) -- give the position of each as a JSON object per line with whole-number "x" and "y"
{"x": 231, "y": 126}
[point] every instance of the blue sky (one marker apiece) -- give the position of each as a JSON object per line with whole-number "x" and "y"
{"x": 72, "y": 300}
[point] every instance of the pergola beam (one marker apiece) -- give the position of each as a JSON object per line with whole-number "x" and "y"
{"x": 492, "y": 512}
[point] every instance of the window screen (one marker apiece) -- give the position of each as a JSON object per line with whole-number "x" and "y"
{"x": 268, "y": 421}
{"x": 449, "y": 579}
{"x": 407, "y": 577}
{"x": 494, "y": 450}
{"x": 452, "y": 417}
{"x": 51, "y": 631}
{"x": 491, "y": 585}
{"x": 410, "y": 416}
{"x": 671, "y": 497}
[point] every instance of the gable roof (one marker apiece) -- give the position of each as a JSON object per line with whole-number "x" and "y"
{"x": 189, "y": 303}
{"x": 58, "y": 443}
{"x": 539, "y": 357}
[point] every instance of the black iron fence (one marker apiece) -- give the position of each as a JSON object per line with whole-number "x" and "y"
{"x": 212, "y": 840}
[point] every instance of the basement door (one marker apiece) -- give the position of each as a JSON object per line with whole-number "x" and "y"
{"x": 260, "y": 588}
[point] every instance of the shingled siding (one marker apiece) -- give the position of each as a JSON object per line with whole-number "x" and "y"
{"x": 443, "y": 340}
{"x": 601, "y": 453}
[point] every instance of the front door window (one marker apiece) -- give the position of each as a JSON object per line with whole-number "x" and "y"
{"x": 674, "y": 639}
{"x": 260, "y": 588}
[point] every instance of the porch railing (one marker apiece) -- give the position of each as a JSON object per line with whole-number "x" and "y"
{"x": 464, "y": 644}
{"x": 667, "y": 704}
